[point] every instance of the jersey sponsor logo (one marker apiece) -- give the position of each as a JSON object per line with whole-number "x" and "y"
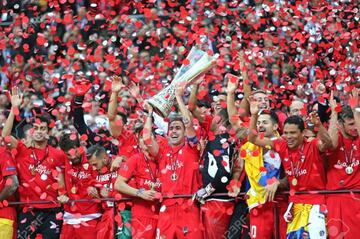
{"x": 81, "y": 175}
{"x": 343, "y": 164}
{"x": 152, "y": 184}
{"x": 41, "y": 169}
{"x": 106, "y": 177}
{"x": 177, "y": 164}
{"x": 297, "y": 173}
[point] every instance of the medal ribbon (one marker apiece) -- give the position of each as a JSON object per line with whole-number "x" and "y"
{"x": 172, "y": 162}
{"x": 295, "y": 170}
{"x": 37, "y": 162}
{"x": 349, "y": 160}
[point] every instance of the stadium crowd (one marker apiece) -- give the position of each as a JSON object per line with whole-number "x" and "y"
{"x": 248, "y": 150}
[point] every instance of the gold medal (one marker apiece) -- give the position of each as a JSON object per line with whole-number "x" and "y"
{"x": 73, "y": 190}
{"x": 349, "y": 170}
{"x": 174, "y": 177}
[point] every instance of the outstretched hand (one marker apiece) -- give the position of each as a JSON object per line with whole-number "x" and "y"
{"x": 332, "y": 101}
{"x": 315, "y": 119}
{"x": 16, "y": 97}
{"x": 116, "y": 83}
{"x": 254, "y": 106}
{"x": 233, "y": 82}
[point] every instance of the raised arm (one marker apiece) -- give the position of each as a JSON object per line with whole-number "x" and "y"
{"x": 254, "y": 137}
{"x": 193, "y": 101}
{"x": 234, "y": 118}
{"x": 188, "y": 119}
{"x": 149, "y": 139}
{"x": 81, "y": 89}
{"x": 333, "y": 129}
{"x": 323, "y": 136}
{"x": 115, "y": 121}
{"x": 355, "y": 108}
{"x": 16, "y": 99}
{"x": 244, "y": 105}
{"x": 233, "y": 83}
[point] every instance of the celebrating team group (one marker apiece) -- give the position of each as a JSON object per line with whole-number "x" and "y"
{"x": 186, "y": 183}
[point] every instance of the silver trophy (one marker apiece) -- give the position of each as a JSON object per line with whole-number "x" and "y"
{"x": 199, "y": 62}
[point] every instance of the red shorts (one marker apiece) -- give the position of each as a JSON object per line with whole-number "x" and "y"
{"x": 343, "y": 216}
{"x": 216, "y": 217}
{"x": 80, "y": 231}
{"x": 143, "y": 227}
{"x": 105, "y": 228}
{"x": 262, "y": 221}
{"x": 179, "y": 221}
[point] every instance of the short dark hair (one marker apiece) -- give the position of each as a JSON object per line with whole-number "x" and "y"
{"x": 273, "y": 116}
{"x": 67, "y": 141}
{"x": 346, "y": 113}
{"x": 41, "y": 119}
{"x": 176, "y": 118}
{"x": 258, "y": 92}
{"x": 297, "y": 120}
{"x": 95, "y": 150}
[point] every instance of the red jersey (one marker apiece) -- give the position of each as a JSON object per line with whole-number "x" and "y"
{"x": 128, "y": 144}
{"x": 107, "y": 180}
{"x": 37, "y": 171}
{"x": 304, "y": 169}
{"x": 77, "y": 180}
{"x": 145, "y": 174}
{"x": 7, "y": 168}
{"x": 345, "y": 157}
{"x": 206, "y": 126}
{"x": 179, "y": 171}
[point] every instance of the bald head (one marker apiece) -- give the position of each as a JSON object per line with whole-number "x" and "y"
{"x": 296, "y": 107}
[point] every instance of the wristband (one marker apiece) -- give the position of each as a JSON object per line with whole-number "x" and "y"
{"x": 194, "y": 140}
{"x": 139, "y": 191}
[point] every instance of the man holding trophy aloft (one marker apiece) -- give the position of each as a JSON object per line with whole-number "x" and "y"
{"x": 178, "y": 159}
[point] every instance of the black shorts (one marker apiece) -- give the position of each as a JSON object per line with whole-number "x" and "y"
{"x": 39, "y": 221}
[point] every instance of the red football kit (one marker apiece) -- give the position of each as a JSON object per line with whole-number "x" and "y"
{"x": 80, "y": 218}
{"x": 37, "y": 171}
{"x": 128, "y": 144}
{"x": 343, "y": 172}
{"x": 7, "y": 213}
{"x": 144, "y": 172}
{"x": 7, "y": 168}
{"x": 105, "y": 228}
{"x": 179, "y": 172}
{"x": 304, "y": 168}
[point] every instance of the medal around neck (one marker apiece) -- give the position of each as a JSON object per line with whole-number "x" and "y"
{"x": 349, "y": 170}
{"x": 174, "y": 177}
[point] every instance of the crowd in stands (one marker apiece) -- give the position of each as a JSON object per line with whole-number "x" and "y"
{"x": 277, "y": 119}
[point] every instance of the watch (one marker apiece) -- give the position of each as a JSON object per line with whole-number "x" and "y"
{"x": 139, "y": 191}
